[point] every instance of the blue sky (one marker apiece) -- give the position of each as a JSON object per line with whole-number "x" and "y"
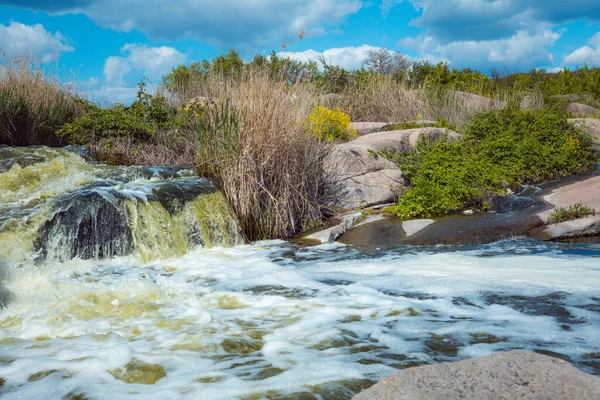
{"x": 108, "y": 45}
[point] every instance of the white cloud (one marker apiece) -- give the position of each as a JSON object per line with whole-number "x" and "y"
{"x": 462, "y": 20}
{"x": 151, "y": 62}
{"x": 115, "y": 69}
{"x": 122, "y": 73}
{"x": 113, "y": 94}
{"x": 226, "y": 22}
{"x": 17, "y": 39}
{"x": 523, "y": 50}
{"x": 585, "y": 55}
{"x": 595, "y": 40}
{"x": 348, "y": 58}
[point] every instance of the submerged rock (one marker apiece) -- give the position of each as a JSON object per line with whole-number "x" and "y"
{"x": 509, "y": 375}
{"x": 140, "y": 372}
{"x": 87, "y": 225}
{"x": 161, "y": 220}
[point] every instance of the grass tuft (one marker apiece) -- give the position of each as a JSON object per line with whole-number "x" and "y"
{"x": 576, "y": 211}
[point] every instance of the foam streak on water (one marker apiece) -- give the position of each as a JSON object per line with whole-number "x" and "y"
{"x": 271, "y": 320}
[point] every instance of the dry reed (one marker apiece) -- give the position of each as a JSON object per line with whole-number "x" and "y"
{"x": 254, "y": 142}
{"x": 33, "y": 104}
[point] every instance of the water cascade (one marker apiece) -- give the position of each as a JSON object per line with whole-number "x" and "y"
{"x": 55, "y": 206}
{"x": 132, "y": 283}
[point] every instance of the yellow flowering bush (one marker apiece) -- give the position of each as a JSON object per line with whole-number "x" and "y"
{"x": 328, "y": 125}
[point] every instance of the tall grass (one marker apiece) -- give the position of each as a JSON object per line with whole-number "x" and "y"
{"x": 33, "y": 104}
{"x": 255, "y": 144}
{"x": 385, "y": 100}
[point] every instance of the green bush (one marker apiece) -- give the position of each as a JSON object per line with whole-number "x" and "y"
{"x": 576, "y": 211}
{"x": 499, "y": 149}
{"x": 139, "y": 121}
{"x": 115, "y": 122}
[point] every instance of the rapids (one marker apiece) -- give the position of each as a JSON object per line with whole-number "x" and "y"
{"x": 166, "y": 303}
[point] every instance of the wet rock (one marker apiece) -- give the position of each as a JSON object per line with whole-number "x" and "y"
{"x": 414, "y": 226}
{"x": 582, "y": 110}
{"x": 88, "y": 225}
{"x": 140, "y": 372}
{"x": 510, "y": 375}
{"x": 331, "y": 234}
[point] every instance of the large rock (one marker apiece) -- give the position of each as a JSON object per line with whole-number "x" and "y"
{"x": 572, "y": 97}
{"x": 364, "y": 128}
{"x": 357, "y": 177}
{"x": 582, "y": 110}
{"x": 402, "y": 139}
{"x": 591, "y": 126}
{"x": 501, "y": 376}
{"x": 587, "y": 192}
{"x": 475, "y": 102}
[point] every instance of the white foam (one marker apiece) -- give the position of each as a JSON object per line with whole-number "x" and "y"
{"x": 216, "y": 319}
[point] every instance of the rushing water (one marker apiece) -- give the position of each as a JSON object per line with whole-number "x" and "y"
{"x": 268, "y": 320}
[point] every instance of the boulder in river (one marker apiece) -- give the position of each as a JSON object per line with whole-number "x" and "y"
{"x": 509, "y": 375}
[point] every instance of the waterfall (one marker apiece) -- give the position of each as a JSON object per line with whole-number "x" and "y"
{"x": 56, "y": 206}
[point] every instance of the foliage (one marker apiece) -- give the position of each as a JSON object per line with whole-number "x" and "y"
{"x": 575, "y": 211}
{"x": 139, "y": 121}
{"x": 328, "y": 125}
{"x": 499, "y": 149}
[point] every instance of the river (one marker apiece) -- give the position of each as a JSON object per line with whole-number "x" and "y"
{"x": 206, "y": 317}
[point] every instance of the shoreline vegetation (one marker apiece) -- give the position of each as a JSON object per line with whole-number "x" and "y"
{"x": 261, "y": 129}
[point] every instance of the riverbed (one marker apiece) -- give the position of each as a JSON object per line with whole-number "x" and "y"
{"x": 166, "y": 303}
{"x": 273, "y": 320}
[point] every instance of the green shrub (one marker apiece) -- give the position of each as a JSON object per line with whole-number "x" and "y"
{"x": 139, "y": 121}
{"x": 328, "y": 125}
{"x": 98, "y": 123}
{"x": 576, "y": 211}
{"x": 499, "y": 149}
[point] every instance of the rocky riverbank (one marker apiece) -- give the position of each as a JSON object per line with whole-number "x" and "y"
{"x": 359, "y": 178}
{"x": 509, "y": 375}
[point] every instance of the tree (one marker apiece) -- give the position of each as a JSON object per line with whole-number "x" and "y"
{"x": 385, "y": 62}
